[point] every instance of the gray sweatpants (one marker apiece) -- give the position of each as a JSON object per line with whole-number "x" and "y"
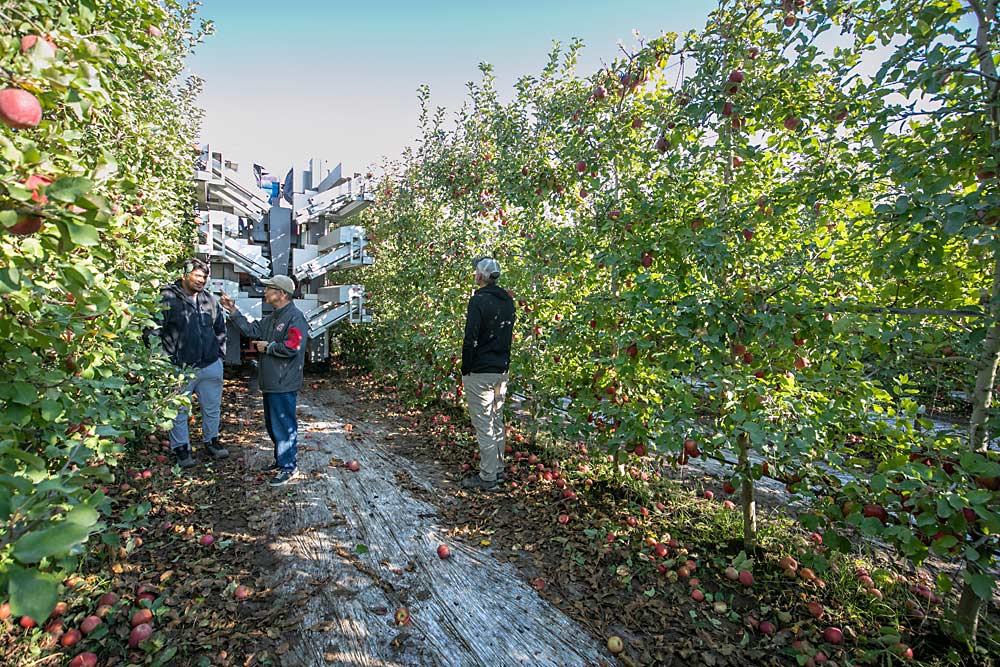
{"x": 207, "y": 386}
{"x": 486, "y": 393}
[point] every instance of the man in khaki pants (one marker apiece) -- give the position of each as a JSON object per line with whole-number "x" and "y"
{"x": 489, "y": 327}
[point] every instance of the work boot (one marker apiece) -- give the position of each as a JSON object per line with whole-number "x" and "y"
{"x": 477, "y": 482}
{"x": 184, "y": 458}
{"x": 217, "y": 450}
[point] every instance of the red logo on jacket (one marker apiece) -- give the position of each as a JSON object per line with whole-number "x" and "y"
{"x": 294, "y": 338}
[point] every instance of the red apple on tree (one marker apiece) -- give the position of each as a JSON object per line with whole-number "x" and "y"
{"x": 28, "y": 41}
{"x": 791, "y": 123}
{"x": 19, "y": 109}
{"x": 876, "y": 511}
{"x": 26, "y": 225}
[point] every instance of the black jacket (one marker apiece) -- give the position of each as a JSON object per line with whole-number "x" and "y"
{"x": 192, "y": 328}
{"x": 489, "y": 327}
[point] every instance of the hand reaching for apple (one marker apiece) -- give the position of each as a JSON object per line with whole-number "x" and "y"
{"x": 227, "y": 303}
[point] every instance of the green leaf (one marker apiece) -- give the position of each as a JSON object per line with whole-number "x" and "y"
{"x": 82, "y": 516}
{"x": 361, "y": 549}
{"x": 33, "y": 593}
{"x": 10, "y": 279}
{"x": 982, "y": 584}
{"x": 68, "y": 189}
{"x": 52, "y": 541}
{"x": 165, "y": 656}
{"x": 51, "y": 410}
{"x": 83, "y": 235}
{"x": 23, "y": 393}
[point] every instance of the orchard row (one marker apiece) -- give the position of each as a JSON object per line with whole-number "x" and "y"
{"x": 738, "y": 239}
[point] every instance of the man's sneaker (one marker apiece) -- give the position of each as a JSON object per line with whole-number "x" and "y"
{"x": 184, "y": 458}
{"x": 273, "y": 467}
{"x": 501, "y": 477}
{"x": 477, "y": 482}
{"x": 283, "y": 477}
{"x": 217, "y": 450}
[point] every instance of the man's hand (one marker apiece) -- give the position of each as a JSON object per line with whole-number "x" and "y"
{"x": 227, "y": 303}
{"x": 261, "y": 345}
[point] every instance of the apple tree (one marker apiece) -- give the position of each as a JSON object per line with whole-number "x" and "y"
{"x": 96, "y": 135}
{"x": 746, "y": 242}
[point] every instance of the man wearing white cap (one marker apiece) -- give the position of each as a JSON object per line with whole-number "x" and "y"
{"x": 489, "y": 328}
{"x": 280, "y": 339}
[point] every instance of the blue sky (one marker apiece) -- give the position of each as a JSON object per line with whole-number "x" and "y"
{"x": 286, "y": 81}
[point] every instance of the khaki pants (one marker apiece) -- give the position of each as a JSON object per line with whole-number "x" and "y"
{"x": 485, "y": 393}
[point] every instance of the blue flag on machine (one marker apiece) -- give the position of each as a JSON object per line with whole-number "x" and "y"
{"x": 286, "y": 188}
{"x": 260, "y": 174}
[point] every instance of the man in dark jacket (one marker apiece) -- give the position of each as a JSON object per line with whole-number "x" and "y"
{"x": 193, "y": 333}
{"x": 489, "y": 327}
{"x": 280, "y": 339}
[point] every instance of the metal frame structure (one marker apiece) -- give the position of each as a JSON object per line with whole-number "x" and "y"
{"x": 250, "y": 235}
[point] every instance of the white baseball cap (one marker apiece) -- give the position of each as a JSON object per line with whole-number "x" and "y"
{"x": 487, "y": 267}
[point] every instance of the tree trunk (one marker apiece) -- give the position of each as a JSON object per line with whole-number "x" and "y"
{"x": 970, "y": 604}
{"x": 967, "y": 612}
{"x": 982, "y": 396}
{"x": 749, "y": 503}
